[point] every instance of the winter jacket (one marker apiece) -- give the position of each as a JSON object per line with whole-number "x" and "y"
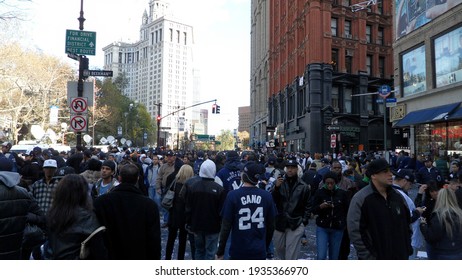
{"x": 133, "y": 224}
{"x": 66, "y": 245}
{"x": 17, "y": 207}
{"x": 91, "y": 176}
{"x": 204, "y": 202}
{"x": 379, "y": 228}
{"x": 292, "y": 201}
{"x": 331, "y": 217}
{"x": 442, "y": 246}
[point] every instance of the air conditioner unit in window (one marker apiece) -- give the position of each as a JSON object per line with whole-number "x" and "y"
{"x": 349, "y": 52}
{"x": 348, "y": 36}
{"x": 337, "y": 110}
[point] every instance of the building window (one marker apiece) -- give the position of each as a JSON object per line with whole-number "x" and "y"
{"x": 369, "y": 65}
{"x": 333, "y": 26}
{"x": 368, "y": 33}
{"x": 171, "y": 35}
{"x": 334, "y": 61}
{"x": 185, "y": 38}
{"x": 178, "y": 36}
{"x": 348, "y": 29}
{"x": 300, "y": 100}
{"x": 380, "y": 7}
{"x": 382, "y": 67}
{"x": 380, "y": 36}
{"x": 348, "y": 100}
{"x": 335, "y": 99}
{"x": 348, "y": 61}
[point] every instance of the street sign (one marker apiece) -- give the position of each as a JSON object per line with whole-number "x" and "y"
{"x": 330, "y": 127}
{"x": 80, "y": 42}
{"x": 384, "y": 91}
{"x": 79, "y": 123}
{"x": 87, "y": 92}
{"x": 333, "y": 137}
{"x": 94, "y": 73}
{"x": 391, "y": 100}
{"x": 79, "y": 105}
{"x": 333, "y": 144}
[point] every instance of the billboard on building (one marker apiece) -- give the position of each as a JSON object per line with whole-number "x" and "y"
{"x": 448, "y": 58}
{"x": 412, "y": 14}
{"x": 414, "y": 73}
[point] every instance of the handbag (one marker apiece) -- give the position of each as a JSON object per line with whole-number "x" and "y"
{"x": 84, "y": 249}
{"x": 167, "y": 201}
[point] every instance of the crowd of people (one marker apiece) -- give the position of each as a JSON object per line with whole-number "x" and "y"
{"x": 226, "y": 205}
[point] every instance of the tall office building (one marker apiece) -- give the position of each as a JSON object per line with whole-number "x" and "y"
{"x": 159, "y": 69}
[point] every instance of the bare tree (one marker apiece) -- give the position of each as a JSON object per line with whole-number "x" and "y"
{"x": 29, "y": 84}
{"x": 13, "y": 9}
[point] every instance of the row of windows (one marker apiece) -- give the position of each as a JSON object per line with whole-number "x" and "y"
{"x": 347, "y": 31}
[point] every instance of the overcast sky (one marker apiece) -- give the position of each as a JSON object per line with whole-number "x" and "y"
{"x": 221, "y": 32}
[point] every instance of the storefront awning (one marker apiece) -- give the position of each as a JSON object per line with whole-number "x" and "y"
{"x": 428, "y": 115}
{"x": 457, "y": 115}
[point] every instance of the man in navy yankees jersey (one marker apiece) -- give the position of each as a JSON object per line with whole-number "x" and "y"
{"x": 249, "y": 214}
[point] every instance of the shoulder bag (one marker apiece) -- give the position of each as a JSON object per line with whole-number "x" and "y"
{"x": 84, "y": 248}
{"x": 167, "y": 201}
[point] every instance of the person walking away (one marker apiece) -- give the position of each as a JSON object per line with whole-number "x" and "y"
{"x": 378, "y": 218}
{"x": 204, "y": 202}
{"x": 249, "y": 214}
{"x": 17, "y": 207}
{"x": 444, "y": 229}
{"x": 71, "y": 220}
{"x": 176, "y": 221}
{"x": 330, "y": 204}
{"x": 292, "y": 199}
{"x": 131, "y": 219}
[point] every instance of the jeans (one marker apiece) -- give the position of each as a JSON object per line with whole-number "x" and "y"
{"x": 328, "y": 239}
{"x": 206, "y": 245}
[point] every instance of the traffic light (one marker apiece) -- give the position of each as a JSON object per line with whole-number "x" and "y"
{"x": 217, "y": 109}
{"x": 214, "y": 107}
{"x": 158, "y": 118}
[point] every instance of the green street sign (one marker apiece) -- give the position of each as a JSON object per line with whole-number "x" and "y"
{"x": 80, "y": 42}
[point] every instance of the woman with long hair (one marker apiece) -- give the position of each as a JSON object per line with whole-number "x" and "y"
{"x": 443, "y": 231}
{"x": 71, "y": 220}
{"x": 176, "y": 220}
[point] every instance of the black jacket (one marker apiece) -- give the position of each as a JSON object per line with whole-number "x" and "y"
{"x": 379, "y": 228}
{"x": 17, "y": 207}
{"x": 133, "y": 224}
{"x": 331, "y": 217}
{"x": 66, "y": 245}
{"x": 292, "y": 201}
{"x": 204, "y": 201}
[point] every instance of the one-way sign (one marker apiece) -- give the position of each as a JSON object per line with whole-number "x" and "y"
{"x": 101, "y": 73}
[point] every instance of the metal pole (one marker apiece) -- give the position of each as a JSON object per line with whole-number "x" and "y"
{"x": 81, "y": 77}
{"x": 384, "y": 125}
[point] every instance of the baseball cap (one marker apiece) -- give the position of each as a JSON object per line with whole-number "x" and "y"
{"x": 404, "y": 174}
{"x": 377, "y": 166}
{"x": 50, "y": 163}
{"x": 272, "y": 161}
{"x": 325, "y": 160}
{"x": 169, "y": 153}
{"x": 253, "y": 171}
{"x": 63, "y": 171}
{"x": 232, "y": 155}
{"x": 6, "y": 144}
{"x": 291, "y": 161}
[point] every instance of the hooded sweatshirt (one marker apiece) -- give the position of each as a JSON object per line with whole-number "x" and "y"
{"x": 230, "y": 175}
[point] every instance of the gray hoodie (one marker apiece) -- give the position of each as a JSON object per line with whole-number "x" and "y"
{"x": 9, "y": 179}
